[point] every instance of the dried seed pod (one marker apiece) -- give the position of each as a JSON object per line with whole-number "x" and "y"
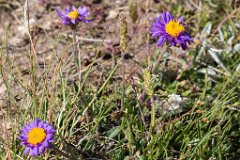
{"x": 148, "y": 84}
{"x": 123, "y": 32}
{"x": 133, "y": 11}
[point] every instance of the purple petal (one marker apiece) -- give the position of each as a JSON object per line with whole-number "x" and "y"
{"x": 86, "y": 21}
{"x": 46, "y": 125}
{"x": 41, "y": 149}
{"x": 49, "y": 128}
{"x": 73, "y": 21}
{"x": 34, "y": 151}
{"x": 60, "y": 14}
{"x": 40, "y": 124}
{"x": 186, "y": 37}
{"x": 169, "y": 17}
{"x": 67, "y": 10}
{"x": 27, "y": 149}
{"x": 157, "y": 33}
{"x": 49, "y": 138}
{"x": 180, "y": 19}
{"x": 36, "y": 121}
{"x": 184, "y": 46}
{"x": 160, "y": 41}
{"x": 83, "y": 11}
{"x": 28, "y": 128}
{"x": 173, "y": 43}
{"x": 163, "y": 16}
{"x": 73, "y": 8}
{"x": 46, "y": 144}
{"x": 156, "y": 20}
{"x": 32, "y": 125}
{"x": 66, "y": 22}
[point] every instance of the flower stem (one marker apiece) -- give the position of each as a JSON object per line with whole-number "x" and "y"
{"x": 123, "y": 80}
{"x": 76, "y": 50}
{"x": 163, "y": 50}
{"x": 153, "y": 109}
{"x": 74, "y": 38}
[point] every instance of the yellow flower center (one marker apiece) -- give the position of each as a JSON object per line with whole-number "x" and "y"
{"x": 73, "y": 15}
{"x": 36, "y": 135}
{"x": 173, "y": 28}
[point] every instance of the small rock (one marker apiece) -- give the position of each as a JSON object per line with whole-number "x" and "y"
{"x": 112, "y": 14}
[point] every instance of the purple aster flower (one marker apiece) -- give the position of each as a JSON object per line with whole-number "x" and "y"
{"x": 169, "y": 29}
{"x": 73, "y": 16}
{"x": 37, "y": 136}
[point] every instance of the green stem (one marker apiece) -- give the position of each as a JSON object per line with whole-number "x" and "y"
{"x": 76, "y": 52}
{"x": 153, "y": 116}
{"x": 163, "y": 50}
{"x": 123, "y": 81}
{"x": 153, "y": 111}
{"x": 74, "y": 40}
